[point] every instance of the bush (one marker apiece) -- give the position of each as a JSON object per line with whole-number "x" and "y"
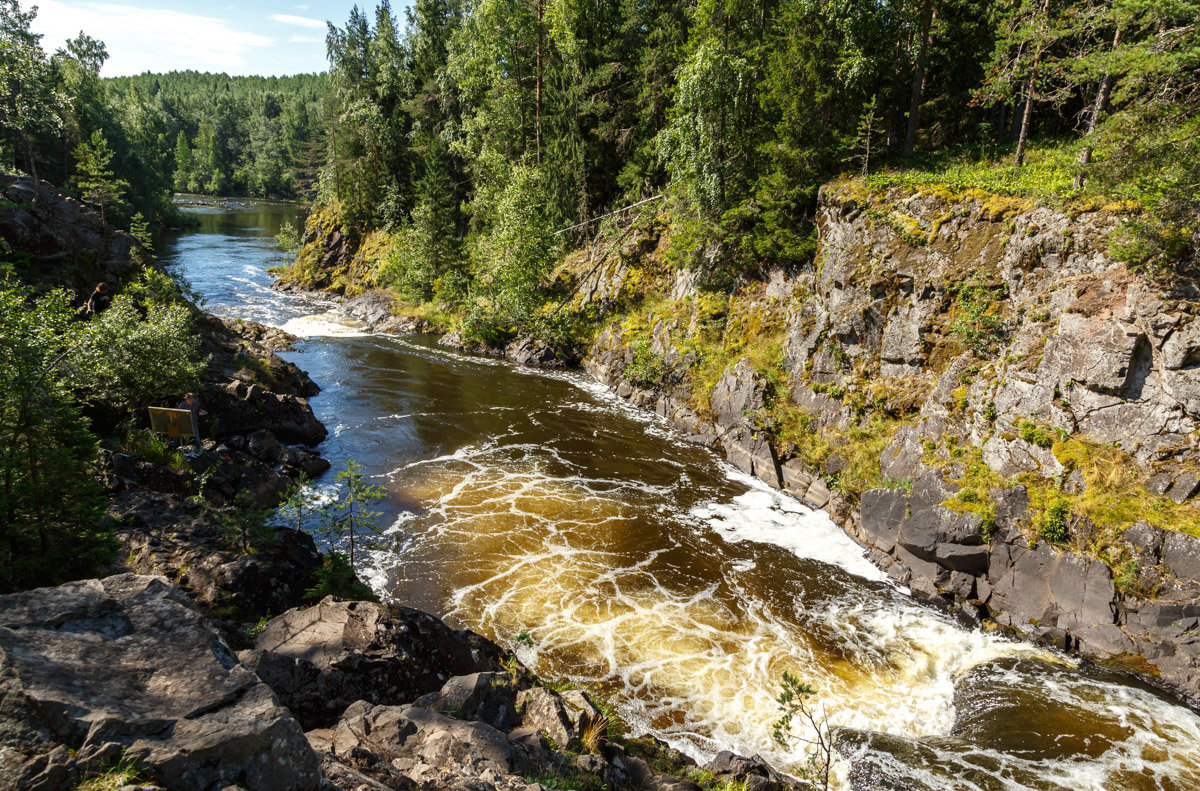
{"x": 337, "y": 578}
{"x": 1051, "y": 523}
{"x": 1032, "y": 433}
{"x": 649, "y": 369}
{"x": 124, "y": 362}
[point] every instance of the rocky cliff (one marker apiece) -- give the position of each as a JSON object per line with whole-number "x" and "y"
{"x": 1005, "y": 417}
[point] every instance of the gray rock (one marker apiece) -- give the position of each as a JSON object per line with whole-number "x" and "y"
{"x": 1181, "y": 555}
{"x": 737, "y": 393}
{"x": 415, "y": 740}
{"x": 1182, "y": 348}
{"x": 1185, "y": 486}
{"x": 1039, "y": 588}
{"x": 367, "y": 651}
{"x": 262, "y": 443}
{"x": 881, "y": 512}
{"x": 544, "y": 710}
{"x": 126, "y": 666}
{"x": 1010, "y": 458}
{"x": 1099, "y": 353}
{"x": 1012, "y": 505}
{"x": 490, "y": 698}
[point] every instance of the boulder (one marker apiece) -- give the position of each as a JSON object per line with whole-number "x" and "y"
{"x": 161, "y": 537}
{"x": 379, "y": 653}
{"x": 543, "y": 710}
{"x": 94, "y": 670}
{"x": 751, "y": 773}
{"x": 238, "y": 407}
{"x": 489, "y": 698}
{"x": 422, "y": 743}
{"x": 532, "y": 351}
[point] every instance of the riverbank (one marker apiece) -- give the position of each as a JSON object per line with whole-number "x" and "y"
{"x": 934, "y": 393}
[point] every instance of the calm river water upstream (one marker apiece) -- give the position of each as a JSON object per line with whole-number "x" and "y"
{"x": 542, "y": 512}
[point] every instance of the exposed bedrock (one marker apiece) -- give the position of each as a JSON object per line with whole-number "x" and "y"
{"x": 97, "y": 670}
{"x": 1008, "y": 347}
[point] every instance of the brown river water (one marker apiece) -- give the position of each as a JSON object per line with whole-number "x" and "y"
{"x": 544, "y": 513}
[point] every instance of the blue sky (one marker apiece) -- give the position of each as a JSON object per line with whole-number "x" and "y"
{"x": 263, "y": 37}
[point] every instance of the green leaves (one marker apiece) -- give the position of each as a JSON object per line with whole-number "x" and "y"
{"x": 350, "y": 514}
{"x": 126, "y": 361}
{"x": 95, "y": 179}
{"x": 706, "y": 148}
{"x": 49, "y": 499}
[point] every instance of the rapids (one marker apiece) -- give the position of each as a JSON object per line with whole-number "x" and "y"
{"x": 546, "y": 514}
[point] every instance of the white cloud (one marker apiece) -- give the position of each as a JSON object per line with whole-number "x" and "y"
{"x": 149, "y": 39}
{"x": 302, "y": 21}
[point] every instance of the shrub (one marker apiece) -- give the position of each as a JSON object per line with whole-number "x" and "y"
{"x": 1051, "y": 523}
{"x": 649, "y": 369}
{"x": 1035, "y": 434}
{"x": 336, "y": 577}
{"x": 125, "y": 362}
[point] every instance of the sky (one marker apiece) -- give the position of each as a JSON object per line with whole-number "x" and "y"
{"x": 268, "y": 37}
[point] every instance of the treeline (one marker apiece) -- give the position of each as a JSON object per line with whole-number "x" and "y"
{"x": 124, "y": 144}
{"x": 483, "y": 126}
{"x": 59, "y": 122}
{"x": 257, "y": 136}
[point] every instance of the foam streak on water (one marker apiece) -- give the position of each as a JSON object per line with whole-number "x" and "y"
{"x": 696, "y": 656}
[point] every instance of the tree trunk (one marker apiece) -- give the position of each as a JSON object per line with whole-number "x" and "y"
{"x": 1023, "y": 138}
{"x": 918, "y": 81}
{"x": 541, "y": 7}
{"x": 29, "y": 155}
{"x": 1106, "y": 84}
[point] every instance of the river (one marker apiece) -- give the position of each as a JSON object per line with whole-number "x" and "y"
{"x": 543, "y": 512}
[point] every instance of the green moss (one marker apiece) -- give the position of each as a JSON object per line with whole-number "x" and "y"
{"x": 1115, "y": 497}
{"x": 1035, "y": 434}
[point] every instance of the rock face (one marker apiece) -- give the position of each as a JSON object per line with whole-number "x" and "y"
{"x": 68, "y": 243}
{"x": 94, "y": 670}
{"x": 163, "y": 536}
{"x": 251, "y": 388}
{"x": 990, "y": 327}
{"x": 321, "y": 659}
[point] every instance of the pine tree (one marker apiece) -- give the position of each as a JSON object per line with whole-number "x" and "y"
{"x": 95, "y": 178}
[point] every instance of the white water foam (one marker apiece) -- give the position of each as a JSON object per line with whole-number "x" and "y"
{"x": 766, "y": 515}
{"x": 326, "y": 325}
{"x": 700, "y": 666}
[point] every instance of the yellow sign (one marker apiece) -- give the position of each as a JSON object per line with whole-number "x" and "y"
{"x": 172, "y": 422}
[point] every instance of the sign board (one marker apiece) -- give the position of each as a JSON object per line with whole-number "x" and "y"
{"x": 172, "y": 422}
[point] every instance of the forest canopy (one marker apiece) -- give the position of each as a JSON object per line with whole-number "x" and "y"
{"x": 487, "y": 125}
{"x": 437, "y": 126}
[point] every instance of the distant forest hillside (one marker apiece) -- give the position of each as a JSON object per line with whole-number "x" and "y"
{"x": 259, "y": 136}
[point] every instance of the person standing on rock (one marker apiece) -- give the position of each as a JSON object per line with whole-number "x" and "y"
{"x": 192, "y": 404}
{"x": 99, "y": 301}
